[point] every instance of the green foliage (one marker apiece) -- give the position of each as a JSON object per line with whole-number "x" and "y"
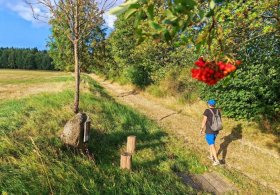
{"x": 247, "y": 31}
{"x": 139, "y": 76}
{"x": 122, "y": 42}
{"x": 91, "y": 50}
{"x": 33, "y": 159}
{"x": 253, "y": 90}
{"x": 150, "y": 62}
{"x": 31, "y": 59}
{"x": 205, "y": 24}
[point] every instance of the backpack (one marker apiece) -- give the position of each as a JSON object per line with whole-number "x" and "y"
{"x": 216, "y": 121}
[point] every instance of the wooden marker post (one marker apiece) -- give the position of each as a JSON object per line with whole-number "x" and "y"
{"x": 126, "y": 161}
{"x": 131, "y": 142}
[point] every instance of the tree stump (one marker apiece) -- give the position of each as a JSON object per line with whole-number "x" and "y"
{"x": 131, "y": 142}
{"x": 126, "y": 159}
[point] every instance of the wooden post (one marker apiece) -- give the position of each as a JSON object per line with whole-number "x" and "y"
{"x": 131, "y": 142}
{"x": 126, "y": 161}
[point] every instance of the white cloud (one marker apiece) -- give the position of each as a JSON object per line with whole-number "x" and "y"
{"x": 109, "y": 19}
{"x": 25, "y": 12}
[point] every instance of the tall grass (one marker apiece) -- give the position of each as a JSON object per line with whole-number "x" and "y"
{"x": 34, "y": 161}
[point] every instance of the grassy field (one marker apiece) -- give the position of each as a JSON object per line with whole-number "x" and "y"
{"x": 34, "y": 161}
{"x": 15, "y": 84}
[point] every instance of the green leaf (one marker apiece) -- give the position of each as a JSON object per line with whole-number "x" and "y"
{"x": 139, "y": 31}
{"x": 210, "y": 13}
{"x": 184, "y": 38}
{"x": 177, "y": 44}
{"x": 150, "y": 12}
{"x": 169, "y": 14}
{"x": 169, "y": 22}
{"x": 220, "y": 32}
{"x": 130, "y": 12}
{"x": 201, "y": 13}
{"x": 155, "y": 25}
{"x": 140, "y": 40}
{"x": 122, "y": 8}
{"x": 212, "y": 4}
{"x": 118, "y": 10}
{"x": 166, "y": 35}
{"x": 138, "y": 18}
{"x": 201, "y": 37}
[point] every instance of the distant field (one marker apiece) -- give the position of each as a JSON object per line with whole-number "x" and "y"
{"x": 20, "y": 83}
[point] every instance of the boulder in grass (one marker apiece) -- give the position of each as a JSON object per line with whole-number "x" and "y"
{"x": 73, "y": 132}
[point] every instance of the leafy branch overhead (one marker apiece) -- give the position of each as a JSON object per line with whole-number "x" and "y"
{"x": 217, "y": 28}
{"x": 199, "y": 23}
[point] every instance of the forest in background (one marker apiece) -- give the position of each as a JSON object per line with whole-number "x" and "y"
{"x": 25, "y": 58}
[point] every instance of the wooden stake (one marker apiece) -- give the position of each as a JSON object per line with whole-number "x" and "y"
{"x": 131, "y": 142}
{"x": 126, "y": 161}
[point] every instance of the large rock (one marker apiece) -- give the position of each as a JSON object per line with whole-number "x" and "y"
{"x": 73, "y": 132}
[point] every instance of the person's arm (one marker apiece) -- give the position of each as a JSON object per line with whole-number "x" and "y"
{"x": 203, "y": 123}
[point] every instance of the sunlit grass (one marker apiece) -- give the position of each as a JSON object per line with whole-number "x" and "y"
{"x": 20, "y": 83}
{"x": 33, "y": 159}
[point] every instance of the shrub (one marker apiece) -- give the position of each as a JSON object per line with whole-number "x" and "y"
{"x": 139, "y": 76}
{"x": 253, "y": 90}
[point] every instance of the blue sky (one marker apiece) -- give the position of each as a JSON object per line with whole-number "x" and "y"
{"x": 18, "y": 28}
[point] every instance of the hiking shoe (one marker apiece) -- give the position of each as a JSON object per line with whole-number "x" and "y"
{"x": 211, "y": 158}
{"x": 215, "y": 163}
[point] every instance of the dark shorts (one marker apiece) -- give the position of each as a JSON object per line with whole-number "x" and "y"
{"x": 210, "y": 138}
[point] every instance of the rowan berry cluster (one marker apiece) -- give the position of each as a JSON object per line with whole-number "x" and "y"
{"x": 212, "y": 72}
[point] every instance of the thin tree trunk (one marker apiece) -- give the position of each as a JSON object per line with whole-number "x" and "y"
{"x": 76, "y": 56}
{"x": 77, "y": 78}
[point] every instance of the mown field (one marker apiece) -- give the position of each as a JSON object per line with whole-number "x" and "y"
{"x": 34, "y": 161}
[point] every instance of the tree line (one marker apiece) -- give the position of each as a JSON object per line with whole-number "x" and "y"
{"x": 25, "y": 58}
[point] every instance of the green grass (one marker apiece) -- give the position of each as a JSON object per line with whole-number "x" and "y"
{"x": 38, "y": 80}
{"x": 11, "y": 77}
{"x": 34, "y": 161}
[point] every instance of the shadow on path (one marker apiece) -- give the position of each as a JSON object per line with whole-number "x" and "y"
{"x": 235, "y": 134}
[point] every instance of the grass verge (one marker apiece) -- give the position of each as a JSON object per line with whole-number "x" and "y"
{"x": 34, "y": 161}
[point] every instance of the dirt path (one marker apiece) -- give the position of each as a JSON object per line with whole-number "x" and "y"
{"x": 256, "y": 163}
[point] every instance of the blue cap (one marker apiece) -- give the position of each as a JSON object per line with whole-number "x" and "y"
{"x": 211, "y": 102}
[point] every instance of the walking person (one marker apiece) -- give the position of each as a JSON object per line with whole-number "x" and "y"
{"x": 212, "y": 122}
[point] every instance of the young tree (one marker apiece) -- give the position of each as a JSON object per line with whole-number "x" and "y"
{"x": 61, "y": 48}
{"x": 80, "y": 17}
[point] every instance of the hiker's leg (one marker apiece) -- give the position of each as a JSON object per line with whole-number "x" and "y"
{"x": 214, "y": 152}
{"x": 210, "y": 152}
{"x": 210, "y": 138}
